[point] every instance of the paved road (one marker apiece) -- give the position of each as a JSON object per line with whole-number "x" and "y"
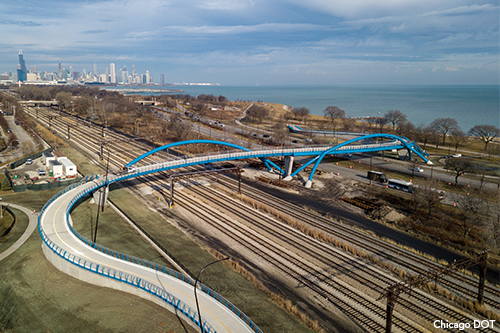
{"x": 29, "y": 230}
{"x": 55, "y": 227}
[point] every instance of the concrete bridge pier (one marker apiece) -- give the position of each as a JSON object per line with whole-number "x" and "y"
{"x": 308, "y": 184}
{"x": 288, "y": 167}
{"x": 101, "y": 196}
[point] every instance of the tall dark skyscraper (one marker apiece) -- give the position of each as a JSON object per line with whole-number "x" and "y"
{"x": 21, "y": 68}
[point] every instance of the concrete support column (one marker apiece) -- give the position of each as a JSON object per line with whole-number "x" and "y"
{"x": 101, "y": 196}
{"x": 404, "y": 154}
{"x": 288, "y": 167}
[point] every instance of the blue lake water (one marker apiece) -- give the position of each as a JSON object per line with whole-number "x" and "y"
{"x": 469, "y": 105}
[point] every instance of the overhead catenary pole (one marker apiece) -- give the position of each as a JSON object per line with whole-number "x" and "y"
{"x": 392, "y": 292}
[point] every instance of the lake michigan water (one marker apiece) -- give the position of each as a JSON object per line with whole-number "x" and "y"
{"x": 469, "y": 105}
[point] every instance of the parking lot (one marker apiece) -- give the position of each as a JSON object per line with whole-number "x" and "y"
{"x": 29, "y": 173}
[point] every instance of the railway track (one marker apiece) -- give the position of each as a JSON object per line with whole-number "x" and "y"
{"x": 312, "y": 250}
{"x": 88, "y": 141}
{"x": 412, "y": 262}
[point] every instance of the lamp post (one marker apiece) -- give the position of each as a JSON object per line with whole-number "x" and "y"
{"x": 196, "y": 297}
{"x": 102, "y": 200}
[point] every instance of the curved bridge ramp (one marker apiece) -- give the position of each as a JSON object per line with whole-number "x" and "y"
{"x": 90, "y": 262}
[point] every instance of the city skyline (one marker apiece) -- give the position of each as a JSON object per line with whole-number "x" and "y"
{"x": 257, "y": 42}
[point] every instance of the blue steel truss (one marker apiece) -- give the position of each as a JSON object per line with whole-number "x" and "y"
{"x": 213, "y": 142}
{"x": 369, "y": 143}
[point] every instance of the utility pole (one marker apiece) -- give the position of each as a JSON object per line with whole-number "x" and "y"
{"x": 393, "y": 291}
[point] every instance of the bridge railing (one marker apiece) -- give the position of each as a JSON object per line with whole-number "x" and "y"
{"x": 127, "y": 278}
{"x": 98, "y": 181}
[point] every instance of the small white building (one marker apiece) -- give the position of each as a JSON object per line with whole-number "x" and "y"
{"x": 68, "y": 167}
{"x": 46, "y": 157}
{"x": 55, "y": 167}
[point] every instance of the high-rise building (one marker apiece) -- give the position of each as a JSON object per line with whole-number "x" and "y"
{"x": 147, "y": 77}
{"x": 21, "y": 68}
{"x": 112, "y": 72}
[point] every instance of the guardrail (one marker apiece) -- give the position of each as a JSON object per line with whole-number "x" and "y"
{"x": 126, "y": 277}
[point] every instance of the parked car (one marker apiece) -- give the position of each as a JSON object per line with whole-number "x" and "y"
{"x": 417, "y": 169}
{"x": 27, "y": 177}
{"x": 308, "y": 140}
{"x": 295, "y": 141}
{"x": 265, "y": 135}
{"x": 29, "y": 161}
{"x": 41, "y": 172}
{"x": 53, "y": 131}
{"x": 456, "y": 155}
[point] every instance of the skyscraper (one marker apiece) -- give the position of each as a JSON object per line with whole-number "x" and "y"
{"x": 21, "y": 68}
{"x": 113, "y": 72}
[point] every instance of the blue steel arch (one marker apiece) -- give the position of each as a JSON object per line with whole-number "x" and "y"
{"x": 406, "y": 143}
{"x": 183, "y": 143}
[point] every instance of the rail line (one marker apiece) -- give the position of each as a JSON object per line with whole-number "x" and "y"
{"x": 370, "y": 278}
{"x": 387, "y": 251}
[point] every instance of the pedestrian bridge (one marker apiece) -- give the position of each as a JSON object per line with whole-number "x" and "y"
{"x": 363, "y": 144}
{"x": 83, "y": 259}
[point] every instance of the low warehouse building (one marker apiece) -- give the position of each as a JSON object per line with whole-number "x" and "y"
{"x": 55, "y": 168}
{"x": 46, "y": 157}
{"x": 68, "y": 167}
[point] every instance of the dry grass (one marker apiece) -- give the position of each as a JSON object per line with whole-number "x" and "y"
{"x": 281, "y": 301}
{"x": 463, "y": 302}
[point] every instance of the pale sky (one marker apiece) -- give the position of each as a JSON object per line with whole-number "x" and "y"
{"x": 247, "y": 42}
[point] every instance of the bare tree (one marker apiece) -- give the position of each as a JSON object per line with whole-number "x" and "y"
{"x": 407, "y": 129}
{"x": 334, "y": 113}
{"x": 64, "y": 99}
{"x": 349, "y": 124}
{"x": 458, "y": 137}
{"x": 428, "y": 194}
{"x": 425, "y": 134}
{"x": 257, "y": 113}
{"x": 480, "y": 171}
{"x": 178, "y": 129}
{"x": 301, "y": 113}
{"x": 491, "y": 225}
{"x": 471, "y": 211}
{"x": 279, "y": 132}
{"x": 444, "y": 126}
{"x": 381, "y": 122}
{"x": 395, "y": 117}
{"x": 485, "y": 133}
{"x": 459, "y": 165}
{"x": 227, "y": 132}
